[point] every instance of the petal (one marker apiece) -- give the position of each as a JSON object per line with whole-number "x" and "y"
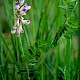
{"x": 18, "y": 33}
{"x": 16, "y": 24}
{"x": 25, "y": 8}
{"x": 26, "y": 22}
{"x": 20, "y": 29}
{"x": 17, "y": 5}
{"x": 13, "y": 31}
{"x": 19, "y": 17}
{"x": 22, "y": 13}
{"x": 21, "y": 2}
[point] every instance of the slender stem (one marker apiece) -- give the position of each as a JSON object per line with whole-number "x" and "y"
{"x": 9, "y": 51}
{"x": 42, "y": 77}
{"x": 1, "y": 60}
{"x": 26, "y": 36}
{"x": 76, "y": 74}
{"x": 67, "y": 59}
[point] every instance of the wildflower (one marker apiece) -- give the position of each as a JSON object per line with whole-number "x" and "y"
{"x": 19, "y": 30}
{"x": 21, "y": 10}
{"x": 16, "y": 24}
{"x": 13, "y": 31}
{"x": 24, "y": 8}
{"x": 26, "y": 22}
{"x": 17, "y": 5}
{"x": 21, "y": 2}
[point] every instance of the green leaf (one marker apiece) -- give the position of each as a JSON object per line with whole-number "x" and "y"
{"x": 67, "y": 36}
{"x": 72, "y": 0}
{"x": 63, "y": 6}
{"x": 72, "y": 24}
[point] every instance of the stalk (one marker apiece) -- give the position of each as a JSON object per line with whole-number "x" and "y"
{"x": 67, "y": 59}
{"x": 33, "y": 26}
{"x": 26, "y": 36}
{"x": 1, "y": 60}
{"x": 42, "y": 76}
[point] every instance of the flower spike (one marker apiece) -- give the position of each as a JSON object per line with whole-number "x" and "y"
{"x": 20, "y": 11}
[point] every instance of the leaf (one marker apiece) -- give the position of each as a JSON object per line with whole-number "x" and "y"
{"x": 63, "y": 6}
{"x": 60, "y": 69}
{"x": 72, "y": 24}
{"x": 72, "y": 0}
{"x": 67, "y": 36}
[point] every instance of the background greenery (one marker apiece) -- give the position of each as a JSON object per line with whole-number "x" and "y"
{"x": 49, "y": 49}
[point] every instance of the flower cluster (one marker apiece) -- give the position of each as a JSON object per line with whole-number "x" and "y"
{"x": 20, "y": 11}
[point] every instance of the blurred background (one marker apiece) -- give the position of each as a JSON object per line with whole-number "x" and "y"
{"x": 49, "y": 48}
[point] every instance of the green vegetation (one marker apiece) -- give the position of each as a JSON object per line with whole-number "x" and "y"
{"x": 49, "y": 48}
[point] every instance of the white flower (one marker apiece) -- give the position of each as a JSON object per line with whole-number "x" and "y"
{"x": 27, "y": 7}
{"x": 17, "y": 5}
{"x": 26, "y": 22}
{"x": 22, "y": 13}
{"x": 19, "y": 17}
{"x": 24, "y": 8}
{"x": 13, "y": 31}
{"x": 20, "y": 28}
{"x": 17, "y": 28}
{"x": 21, "y": 2}
{"x": 16, "y": 24}
{"x": 18, "y": 32}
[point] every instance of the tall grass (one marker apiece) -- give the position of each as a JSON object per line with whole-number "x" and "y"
{"x": 44, "y": 51}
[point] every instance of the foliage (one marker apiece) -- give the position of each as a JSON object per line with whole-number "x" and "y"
{"x": 47, "y": 50}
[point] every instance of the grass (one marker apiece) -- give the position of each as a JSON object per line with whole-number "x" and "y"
{"x": 47, "y": 50}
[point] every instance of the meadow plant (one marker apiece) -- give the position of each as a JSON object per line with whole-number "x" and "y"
{"x": 48, "y": 49}
{"x": 20, "y": 11}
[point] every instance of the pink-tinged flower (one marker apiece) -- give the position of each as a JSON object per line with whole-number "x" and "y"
{"x": 19, "y": 17}
{"x": 26, "y": 22}
{"x": 13, "y": 31}
{"x": 18, "y": 33}
{"x": 21, "y": 10}
{"x": 16, "y": 24}
{"x": 22, "y": 13}
{"x": 19, "y": 30}
{"x": 17, "y": 5}
{"x": 27, "y": 7}
{"x": 24, "y": 8}
{"x": 21, "y": 2}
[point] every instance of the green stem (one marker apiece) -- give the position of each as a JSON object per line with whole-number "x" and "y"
{"x": 26, "y": 36}
{"x": 9, "y": 51}
{"x": 1, "y": 60}
{"x": 42, "y": 72}
{"x": 67, "y": 59}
